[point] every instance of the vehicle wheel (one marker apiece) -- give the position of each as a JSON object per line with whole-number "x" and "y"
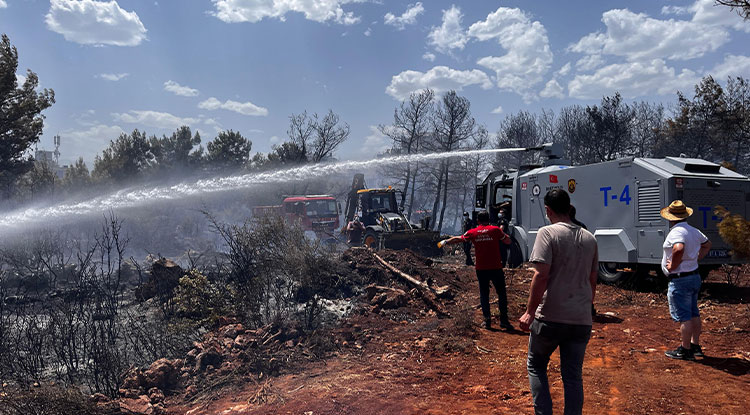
{"x": 704, "y": 270}
{"x": 608, "y": 272}
{"x": 515, "y": 257}
{"x": 371, "y": 239}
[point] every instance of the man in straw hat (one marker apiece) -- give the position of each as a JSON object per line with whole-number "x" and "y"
{"x": 683, "y": 248}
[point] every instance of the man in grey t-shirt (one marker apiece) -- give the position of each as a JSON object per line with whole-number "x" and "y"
{"x": 558, "y": 312}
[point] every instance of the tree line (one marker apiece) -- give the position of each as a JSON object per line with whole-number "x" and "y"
{"x": 712, "y": 123}
{"x": 312, "y": 138}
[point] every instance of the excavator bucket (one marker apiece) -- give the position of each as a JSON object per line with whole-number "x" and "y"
{"x": 422, "y": 242}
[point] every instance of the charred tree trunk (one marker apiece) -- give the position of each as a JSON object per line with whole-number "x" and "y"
{"x": 445, "y": 196}
{"x": 437, "y": 196}
{"x": 411, "y": 195}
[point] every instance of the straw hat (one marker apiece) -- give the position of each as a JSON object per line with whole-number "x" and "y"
{"x": 676, "y": 211}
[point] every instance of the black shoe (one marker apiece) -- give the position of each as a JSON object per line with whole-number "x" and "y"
{"x": 505, "y": 325}
{"x": 487, "y": 323}
{"x": 696, "y": 349}
{"x": 680, "y": 353}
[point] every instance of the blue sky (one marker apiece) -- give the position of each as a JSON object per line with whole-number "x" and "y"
{"x": 248, "y": 64}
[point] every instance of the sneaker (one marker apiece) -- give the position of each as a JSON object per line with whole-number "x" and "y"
{"x": 506, "y": 325}
{"x": 680, "y": 353}
{"x": 696, "y": 349}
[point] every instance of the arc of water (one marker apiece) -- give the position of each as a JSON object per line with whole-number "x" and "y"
{"x": 139, "y": 197}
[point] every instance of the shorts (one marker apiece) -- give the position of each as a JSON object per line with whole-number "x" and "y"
{"x": 683, "y": 297}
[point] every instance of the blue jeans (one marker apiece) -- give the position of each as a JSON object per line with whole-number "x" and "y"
{"x": 572, "y": 340}
{"x": 683, "y": 297}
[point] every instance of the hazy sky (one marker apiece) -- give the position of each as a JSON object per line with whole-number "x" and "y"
{"x": 248, "y": 64}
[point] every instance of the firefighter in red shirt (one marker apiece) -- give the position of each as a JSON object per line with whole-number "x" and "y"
{"x": 487, "y": 239}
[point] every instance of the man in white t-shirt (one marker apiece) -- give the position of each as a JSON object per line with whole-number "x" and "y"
{"x": 683, "y": 247}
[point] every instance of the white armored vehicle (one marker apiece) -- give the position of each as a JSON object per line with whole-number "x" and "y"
{"x": 619, "y": 202}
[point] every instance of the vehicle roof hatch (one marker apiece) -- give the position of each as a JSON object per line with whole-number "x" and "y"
{"x": 694, "y": 165}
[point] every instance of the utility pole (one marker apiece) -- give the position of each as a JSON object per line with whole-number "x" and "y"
{"x": 56, "y": 140}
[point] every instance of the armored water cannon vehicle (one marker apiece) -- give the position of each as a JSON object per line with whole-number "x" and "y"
{"x": 619, "y": 201}
{"x": 379, "y": 219}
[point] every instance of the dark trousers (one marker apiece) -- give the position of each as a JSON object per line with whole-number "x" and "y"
{"x": 504, "y": 254}
{"x": 544, "y": 339}
{"x": 467, "y": 251}
{"x": 497, "y": 277}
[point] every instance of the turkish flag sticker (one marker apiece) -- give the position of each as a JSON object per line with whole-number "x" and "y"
{"x": 552, "y": 178}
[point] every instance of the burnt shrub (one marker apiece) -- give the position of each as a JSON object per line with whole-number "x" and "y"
{"x": 46, "y": 400}
{"x": 277, "y": 274}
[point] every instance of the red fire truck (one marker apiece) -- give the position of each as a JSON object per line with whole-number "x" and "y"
{"x": 317, "y": 213}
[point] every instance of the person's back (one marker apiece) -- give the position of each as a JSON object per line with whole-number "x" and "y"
{"x": 486, "y": 239}
{"x": 571, "y": 253}
{"x": 691, "y": 238}
{"x": 565, "y": 261}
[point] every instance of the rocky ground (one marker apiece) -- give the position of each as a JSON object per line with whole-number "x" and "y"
{"x": 416, "y": 347}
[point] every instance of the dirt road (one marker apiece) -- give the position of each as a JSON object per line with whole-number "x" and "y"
{"x": 407, "y": 361}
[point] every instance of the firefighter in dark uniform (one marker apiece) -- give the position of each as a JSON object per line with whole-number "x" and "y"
{"x": 466, "y": 225}
{"x": 504, "y": 224}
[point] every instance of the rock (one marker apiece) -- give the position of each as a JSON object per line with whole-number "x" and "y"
{"x": 99, "y": 398}
{"x": 162, "y": 374}
{"x": 156, "y": 395}
{"x": 394, "y": 299}
{"x": 128, "y": 393}
{"x": 232, "y": 330}
{"x": 190, "y": 356}
{"x": 133, "y": 379}
{"x": 207, "y": 358}
{"x": 165, "y": 276}
{"x": 140, "y": 405}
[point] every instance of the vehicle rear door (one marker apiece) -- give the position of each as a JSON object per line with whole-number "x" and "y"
{"x": 703, "y": 195}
